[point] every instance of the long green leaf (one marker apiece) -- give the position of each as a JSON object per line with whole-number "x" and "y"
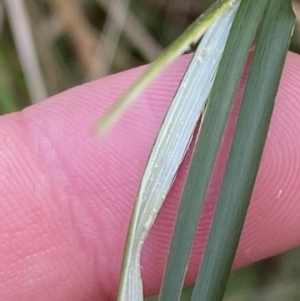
{"x": 246, "y": 151}
{"x": 227, "y": 78}
{"x": 170, "y": 147}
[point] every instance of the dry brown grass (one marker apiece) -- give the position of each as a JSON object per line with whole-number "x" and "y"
{"x": 56, "y": 44}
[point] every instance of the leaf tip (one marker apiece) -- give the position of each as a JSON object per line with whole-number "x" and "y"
{"x": 103, "y": 125}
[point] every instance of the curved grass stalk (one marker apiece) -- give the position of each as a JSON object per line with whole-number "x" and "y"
{"x": 191, "y": 35}
{"x": 170, "y": 147}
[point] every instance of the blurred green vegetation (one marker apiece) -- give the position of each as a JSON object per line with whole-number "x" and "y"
{"x": 73, "y": 39}
{"x": 273, "y": 279}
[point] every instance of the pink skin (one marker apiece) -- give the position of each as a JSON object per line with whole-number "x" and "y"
{"x": 67, "y": 194}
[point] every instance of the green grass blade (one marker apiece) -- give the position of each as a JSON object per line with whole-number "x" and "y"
{"x": 227, "y": 78}
{"x": 191, "y": 35}
{"x": 170, "y": 147}
{"x": 247, "y": 146}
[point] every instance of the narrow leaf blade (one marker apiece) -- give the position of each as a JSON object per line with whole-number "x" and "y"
{"x": 227, "y": 78}
{"x": 170, "y": 147}
{"x": 246, "y": 151}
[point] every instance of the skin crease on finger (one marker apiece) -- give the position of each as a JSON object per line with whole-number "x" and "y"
{"x": 67, "y": 194}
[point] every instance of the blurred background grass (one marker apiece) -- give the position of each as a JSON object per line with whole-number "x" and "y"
{"x": 47, "y": 46}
